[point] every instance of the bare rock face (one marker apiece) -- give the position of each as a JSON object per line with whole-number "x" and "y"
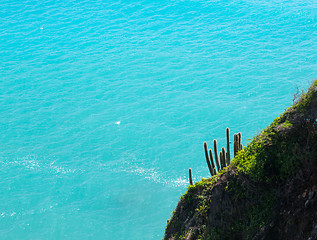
{"x": 297, "y": 214}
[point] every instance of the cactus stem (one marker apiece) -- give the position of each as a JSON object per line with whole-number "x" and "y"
{"x": 223, "y": 157}
{"x": 239, "y": 142}
{"x": 211, "y": 159}
{"x": 207, "y": 159}
{"x": 190, "y": 176}
{"x": 216, "y": 155}
{"x": 235, "y": 144}
{"x": 228, "y": 146}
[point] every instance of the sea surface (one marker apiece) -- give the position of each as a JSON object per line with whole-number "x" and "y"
{"x": 104, "y": 105}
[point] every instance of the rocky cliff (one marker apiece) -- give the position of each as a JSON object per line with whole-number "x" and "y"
{"x": 269, "y": 191}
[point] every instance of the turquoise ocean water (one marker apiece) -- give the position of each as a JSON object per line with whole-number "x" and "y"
{"x": 104, "y": 105}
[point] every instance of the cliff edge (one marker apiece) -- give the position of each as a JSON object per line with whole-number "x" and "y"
{"x": 269, "y": 191}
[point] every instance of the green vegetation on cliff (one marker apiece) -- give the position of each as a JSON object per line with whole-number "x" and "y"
{"x": 277, "y": 152}
{"x": 242, "y": 201}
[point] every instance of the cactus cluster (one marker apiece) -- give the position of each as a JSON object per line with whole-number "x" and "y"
{"x": 222, "y": 159}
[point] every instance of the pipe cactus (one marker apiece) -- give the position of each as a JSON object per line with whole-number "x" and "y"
{"x": 216, "y": 155}
{"x": 190, "y": 176}
{"x": 239, "y": 142}
{"x": 235, "y": 144}
{"x": 223, "y": 157}
{"x": 207, "y": 159}
{"x": 228, "y": 146}
{"x": 211, "y": 158}
{"x": 212, "y": 162}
